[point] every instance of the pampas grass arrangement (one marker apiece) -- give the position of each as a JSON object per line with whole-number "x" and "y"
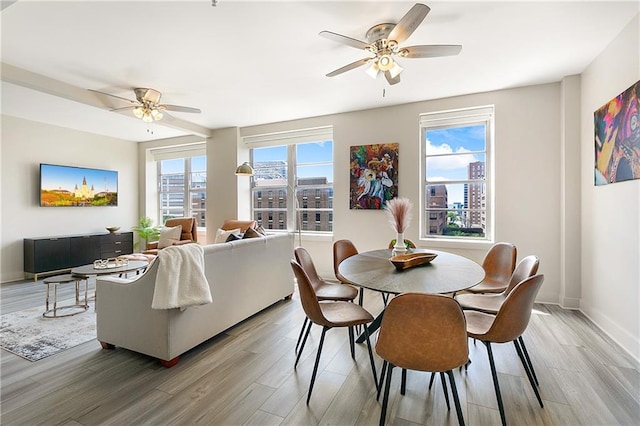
{"x": 399, "y": 213}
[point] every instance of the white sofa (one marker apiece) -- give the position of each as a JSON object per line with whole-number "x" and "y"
{"x": 245, "y": 276}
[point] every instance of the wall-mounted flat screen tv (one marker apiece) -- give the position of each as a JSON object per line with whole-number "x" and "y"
{"x": 66, "y": 186}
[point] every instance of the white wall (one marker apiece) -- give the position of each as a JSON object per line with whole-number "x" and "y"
{"x": 611, "y": 213}
{"x": 527, "y": 166}
{"x": 24, "y": 145}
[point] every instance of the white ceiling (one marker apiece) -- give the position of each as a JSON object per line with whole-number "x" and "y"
{"x": 245, "y": 63}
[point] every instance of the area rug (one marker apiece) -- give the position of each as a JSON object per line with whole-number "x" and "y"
{"x": 29, "y": 335}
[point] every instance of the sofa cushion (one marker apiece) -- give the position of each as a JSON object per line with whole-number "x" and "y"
{"x": 168, "y": 236}
{"x": 222, "y": 235}
{"x": 251, "y": 233}
{"x": 234, "y": 237}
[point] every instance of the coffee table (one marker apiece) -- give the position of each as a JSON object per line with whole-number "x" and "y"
{"x": 89, "y": 270}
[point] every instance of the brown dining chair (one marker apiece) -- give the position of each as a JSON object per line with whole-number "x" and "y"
{"x": 498, "y": 266}
{"x": 344, "y": 249}
{"x": 491, "y": 302}
{"x": 328, "y": 315}
{"x": 322, "y": 289}
{"x": 422, "y": 332}
{"x": 507, "y": 326}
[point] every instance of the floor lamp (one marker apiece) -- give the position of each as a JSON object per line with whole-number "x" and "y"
{"x": 245, "y": 169}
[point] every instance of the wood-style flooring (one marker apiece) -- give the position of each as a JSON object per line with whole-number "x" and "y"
{"x": 246, "y": 377}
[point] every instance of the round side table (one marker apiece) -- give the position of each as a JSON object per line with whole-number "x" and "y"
{"x": 80, "y": 305}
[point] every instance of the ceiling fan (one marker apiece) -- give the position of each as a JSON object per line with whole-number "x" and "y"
{"x": 147, "y": 105}
{"x": 383, "y": 41}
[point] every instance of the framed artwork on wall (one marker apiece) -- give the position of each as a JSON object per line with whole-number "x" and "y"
{"x": 617, "y": 138}
{"x": 373, "y": 175}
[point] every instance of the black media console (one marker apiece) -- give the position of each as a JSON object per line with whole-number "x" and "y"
{"x": 54, "y": 254}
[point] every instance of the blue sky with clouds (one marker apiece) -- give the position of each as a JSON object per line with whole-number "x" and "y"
{"x": 454, "y": 148}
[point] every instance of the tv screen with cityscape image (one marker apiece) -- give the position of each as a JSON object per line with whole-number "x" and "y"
{"x": 67, "y": 186}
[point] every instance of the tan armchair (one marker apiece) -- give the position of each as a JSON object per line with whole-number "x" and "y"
{"x": 189, "y": 233}
{"x": 230, "y": 224}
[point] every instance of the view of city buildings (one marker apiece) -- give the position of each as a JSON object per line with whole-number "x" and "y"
{"x": 314, "y": 204}
{"x": 182, "y": 194}
{"x": 474, "y": 196}
{"x": 467, "y": 218}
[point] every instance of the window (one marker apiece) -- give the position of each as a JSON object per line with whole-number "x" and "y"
{"x": 301, "y": 169}
{"x": 183, "y": 188}
{"x": 456, "y": 169}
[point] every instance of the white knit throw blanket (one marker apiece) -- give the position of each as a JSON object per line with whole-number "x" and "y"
{"x": 180, "y": 282}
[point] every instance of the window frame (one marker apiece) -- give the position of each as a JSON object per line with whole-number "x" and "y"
{"x": 291, "y": 140}
{"x": 187, "y": 189}
{"x": 452, "y": 119}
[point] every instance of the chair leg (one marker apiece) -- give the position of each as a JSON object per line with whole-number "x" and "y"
{"x": 361, "y": 296}
{"x": 381, "y": 382}
{"x": 385, "y": 399}
{"x": 494, "y": 375}
{"x": 315, "y": 367}
{"x": 351, "y": 344}
{"x": 304, "y": 325}
{"x": 304, "y": 340}
{"x": 403, "y": 382}
{"x": 456, "y": 399}
{"x": 385, "y": 298}
{"x": 433, "y": 376}
{"x": 446, "y": 393}
{"x": 526, "y": 355}
{"x": 529, "y": 376}
{"x": 373, "y": 363}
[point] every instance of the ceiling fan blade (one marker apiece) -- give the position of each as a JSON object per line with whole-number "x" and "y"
{"x": 167, "y": 117}
{"x": 345, "y": 40}
{"x": 179, "y": 108}
{"x": 349, "y": 67}
{"x": 391, "y": 80}
{"x": 409, "y": 22}
{"x": 123, "y": 108}
{"x": 431, "y": 51}
{"x": 114, "y": 96}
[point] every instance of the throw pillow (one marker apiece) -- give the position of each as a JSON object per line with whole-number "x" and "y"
{"x": 251, "y": 233}
{"x": 222, "y": 235}
{"x": 234, "y": 237}
{"x": 168, "y": 236}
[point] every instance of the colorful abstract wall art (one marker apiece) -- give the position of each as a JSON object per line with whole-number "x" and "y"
{"x": 374, "y": 175}
{"x": 617, "y": 138}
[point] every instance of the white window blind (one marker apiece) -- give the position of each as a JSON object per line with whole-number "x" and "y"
{"x": 315, "y": 134}
{"x": 182, "y": 151}
{"x": 456, "y": 117}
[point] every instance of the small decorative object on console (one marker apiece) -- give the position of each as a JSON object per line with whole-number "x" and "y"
{"x": 110, "y": 263}
{"x": 113, "y": 229}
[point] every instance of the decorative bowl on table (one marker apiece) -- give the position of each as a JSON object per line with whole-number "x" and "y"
{"x": 404, "y": 261}
{"x": 113, "y": 229}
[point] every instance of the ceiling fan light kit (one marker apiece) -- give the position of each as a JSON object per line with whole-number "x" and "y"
{"x": 383, "y": 41}
{"x": 147, "y": 114}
